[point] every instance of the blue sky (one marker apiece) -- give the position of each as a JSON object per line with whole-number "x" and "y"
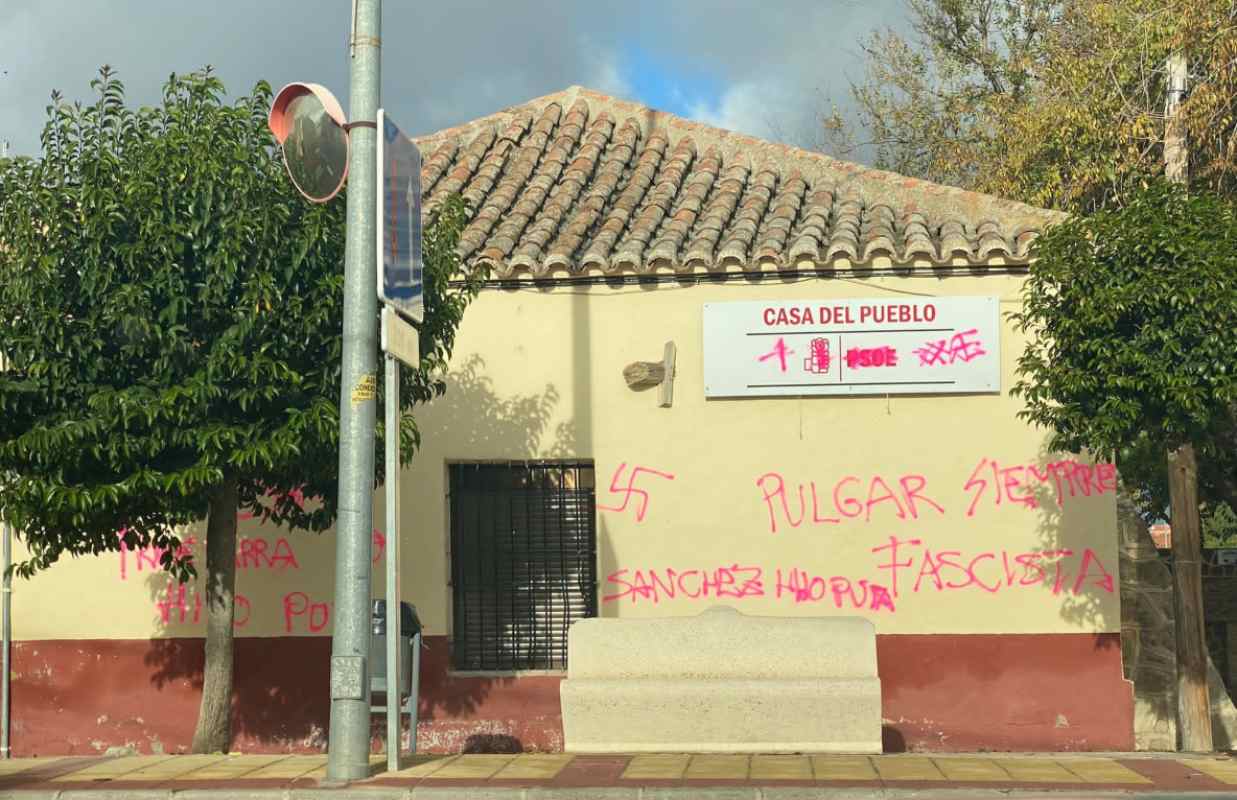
{"x": 668, "y": 82}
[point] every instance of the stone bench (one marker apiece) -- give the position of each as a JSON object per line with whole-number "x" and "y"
{"x": 722, "y": 682}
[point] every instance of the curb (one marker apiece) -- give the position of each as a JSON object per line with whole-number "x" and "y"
{"x": 606, "y": 793}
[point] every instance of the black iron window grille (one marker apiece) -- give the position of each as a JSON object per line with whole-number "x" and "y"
{"x": 523, "y": 562}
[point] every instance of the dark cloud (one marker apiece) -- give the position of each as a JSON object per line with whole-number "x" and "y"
{"x": 769, "y": 63}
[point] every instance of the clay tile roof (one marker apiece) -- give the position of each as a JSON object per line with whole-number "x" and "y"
{"x": 578, "y": 181}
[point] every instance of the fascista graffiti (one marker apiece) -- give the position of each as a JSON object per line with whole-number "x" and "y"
{"x": 914, "y": 566}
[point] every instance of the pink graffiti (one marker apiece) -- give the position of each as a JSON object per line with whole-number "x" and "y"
{"x": 630, "y": 489}
{"x": 299, "y": 609}
{"x": 256, "y": 553}
{"x": 378, "y": 545}
{"x": 252, "y": 552}
{"x": 859, "y": 357}
{"x": 652, "y": 585}
{"x": 905, "y": 501}
{"x": 149, "y": 557}
{"x": 297, "y": 495}
{"x": 806, "y": 588}
{"x": 738, "y": 582}
{"x": 818, "y": 362}
{"x": 993, "y": 571}
{"x": 1016, "y": 483}
{"x": 780, "y": 351}
{"x": 178, "y": 604}
{"x": 958, "y": 347}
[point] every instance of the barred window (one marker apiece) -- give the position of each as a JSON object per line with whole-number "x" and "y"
{"x": 523, "y": 561}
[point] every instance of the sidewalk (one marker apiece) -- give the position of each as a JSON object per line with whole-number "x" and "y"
{"x": 620, "y": 777}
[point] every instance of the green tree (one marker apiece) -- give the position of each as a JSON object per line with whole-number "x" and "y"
{"x": 1220, "y": 527}
{"x": 172, "y": 333}
{"x": 1058, "y": 103}
{"x": 1131, "y": 316}
{"x": 925, "y": 104}
{"x": 1133, "y": 321}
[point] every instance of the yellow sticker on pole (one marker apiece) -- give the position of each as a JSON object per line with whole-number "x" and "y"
{"x": 365, "y": 388}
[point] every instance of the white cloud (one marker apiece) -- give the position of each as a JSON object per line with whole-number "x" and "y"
{"x": 606, "y": 73}
{"x": 443, "y": 63}
{"x": 765, "y": 110}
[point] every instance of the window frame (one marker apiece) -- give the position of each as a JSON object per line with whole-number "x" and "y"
{"x": 590, "y": 583}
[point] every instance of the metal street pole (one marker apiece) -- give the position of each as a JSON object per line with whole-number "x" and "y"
{"x": 348, "y": 748}
{"x": 395, "y": 630}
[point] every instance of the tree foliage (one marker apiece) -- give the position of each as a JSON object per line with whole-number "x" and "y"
{"x": 925, "y": 103}
{"x": 1220, "y": 527}
{"x": 1132, "y": 316}
{"x": 172, "y": 314}
{"x": 1094, "y": 123}
{"x": 1059, "y": 103}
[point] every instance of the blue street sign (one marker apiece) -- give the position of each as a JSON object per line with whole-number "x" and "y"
{"x": 400, "y": 269}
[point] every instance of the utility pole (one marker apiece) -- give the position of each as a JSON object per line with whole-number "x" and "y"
{"x": 1193, "y": 701}
{"x": 348, "y": 748}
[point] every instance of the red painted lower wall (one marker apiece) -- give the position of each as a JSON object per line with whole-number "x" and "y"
{"x": 940, "y": 692}
{"x": 1048, "y": 692}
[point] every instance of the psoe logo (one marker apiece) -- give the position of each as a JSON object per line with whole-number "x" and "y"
{"x": 817, "y": 361}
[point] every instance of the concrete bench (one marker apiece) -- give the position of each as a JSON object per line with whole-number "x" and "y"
{"x": 722, "y": 682}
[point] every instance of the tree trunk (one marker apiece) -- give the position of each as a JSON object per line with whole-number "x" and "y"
{"x": 214, "y": 730}
{"x": 1193, "y": 703}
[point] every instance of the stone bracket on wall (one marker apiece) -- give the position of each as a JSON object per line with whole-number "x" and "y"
{"x": 641, "y": 375}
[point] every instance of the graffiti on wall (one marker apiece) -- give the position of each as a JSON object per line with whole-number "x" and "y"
{"x": 893, "y": 568}
{"x": 630, "y": 490}
{"x": 271, "y": 556}
{"x": 900, "y": 567}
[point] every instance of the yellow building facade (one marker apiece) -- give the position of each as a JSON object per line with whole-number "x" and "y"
{"x": 548, "y": 489}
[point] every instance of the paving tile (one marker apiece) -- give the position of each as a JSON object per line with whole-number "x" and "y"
{"x": 717, "y": 767}
{"x": 472, "y": 767}
{"x": 377, "y": 765}
{"x": 843, "y": 768}
{"x": 657, "y": 766}
{"x": 592, "y": 771}
{"x": 112, "y": 769}
{"x": 534, "y": 766}
{"x": 173, "y": 767}
{"x": 971, "y": 769}
{"x": 288, "y": 768}
{"x": 1036, "y": 770}
{"x": 1102, "y": 770}
{"x": 907, "y": 768}
{"x": 231, "y": 767}
{"x": 420, "y": 766}
{"x": 14, "y": 766}
{"x": 1223, "y": 770}
{"x": 781, "y": 768}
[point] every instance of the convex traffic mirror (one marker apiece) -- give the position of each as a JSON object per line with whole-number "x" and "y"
{"x": 308, "y": 123}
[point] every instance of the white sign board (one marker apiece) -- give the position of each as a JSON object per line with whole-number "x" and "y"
{"x": 400, "y": 271}
{"x": 399, "y": 338}
{"x": 883, "y": 345}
